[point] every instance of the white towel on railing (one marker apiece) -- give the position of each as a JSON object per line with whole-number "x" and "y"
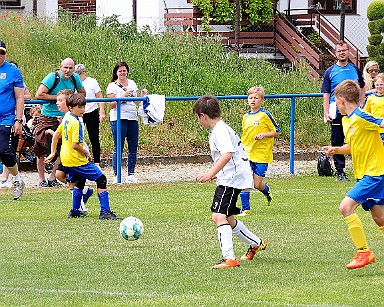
{"x": 152, "y": 112}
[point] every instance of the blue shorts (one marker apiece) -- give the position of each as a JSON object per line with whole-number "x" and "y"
{"x": 382, "y": 137}
{"x": 88, "y": 171}
{"x": 259, "y": 168}
{"x": 368, "y": 191}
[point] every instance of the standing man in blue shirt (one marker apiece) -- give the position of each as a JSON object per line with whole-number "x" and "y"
{"x": 334, "y": 75}
{"x": 11, "y": 113}
{"x": 54, "y": 82}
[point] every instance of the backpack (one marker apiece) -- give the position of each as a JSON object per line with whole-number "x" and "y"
{"x": 57, "y": 80}
{"x": 324, "y": 167}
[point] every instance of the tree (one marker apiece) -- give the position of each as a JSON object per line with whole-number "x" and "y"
{"x": 375, "y": 14}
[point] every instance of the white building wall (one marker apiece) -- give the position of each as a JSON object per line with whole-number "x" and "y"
{"x": 45, "y": 8}
{"x": 107, "y": 8}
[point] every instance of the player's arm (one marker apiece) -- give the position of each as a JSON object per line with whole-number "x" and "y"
{"x": 76, "y": 146}
{"x": 270, "y": 134}
{"x": 55, "y": 140}
{"x": 382, "y": 124}
{"x": 338, "y": 150}
{"x": 224, "y": 159}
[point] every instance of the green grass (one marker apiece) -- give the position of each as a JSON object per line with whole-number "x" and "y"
{"x": 49, "y": 260}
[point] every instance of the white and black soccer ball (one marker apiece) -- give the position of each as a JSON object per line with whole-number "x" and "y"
{"x": 131, "y": 228}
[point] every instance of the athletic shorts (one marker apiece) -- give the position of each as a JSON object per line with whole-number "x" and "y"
{"x": 87, "y": 171}
{"x": 368, "y": 191}
{"x": 224, "y": 200}
{"x": 259, "y": 168}
{"x": 7, "y": 152}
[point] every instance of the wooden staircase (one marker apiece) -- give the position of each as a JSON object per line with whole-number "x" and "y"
{"x": 283, "y": 33}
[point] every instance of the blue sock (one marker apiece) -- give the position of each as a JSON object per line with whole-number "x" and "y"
{"x": 245, "y": 196}
{"x": 77, "y": 195}
{"x": 266, "y": 190}
{"x": 104, "y": 202}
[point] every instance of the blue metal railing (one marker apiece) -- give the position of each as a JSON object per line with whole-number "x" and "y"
{"x": 292, "y": 97}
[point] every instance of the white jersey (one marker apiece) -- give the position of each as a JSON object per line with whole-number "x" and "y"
{"x": 128, "y": 108}
{"x": 91, "y": 87}
{"x": 237, "y": 173}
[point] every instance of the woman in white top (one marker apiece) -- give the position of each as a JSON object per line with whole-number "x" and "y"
{"x": 122, "y": 87}
{"x": 91, "y": 117}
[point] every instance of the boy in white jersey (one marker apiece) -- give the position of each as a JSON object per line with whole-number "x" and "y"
{"x": 259, "y": 132}
{"x": 75, "y": 159}
{"x": 232, "y": 173}
{"x": 364, "y": 143}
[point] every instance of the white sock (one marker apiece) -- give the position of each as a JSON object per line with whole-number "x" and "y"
{"x": 17, "y": 177}
{"x": 245, "y": 234}
{"x": 224, "y": 234}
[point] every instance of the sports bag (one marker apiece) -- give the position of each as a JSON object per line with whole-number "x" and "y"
{"x": 324, "y": 167}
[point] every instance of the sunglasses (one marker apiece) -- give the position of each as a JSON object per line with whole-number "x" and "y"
{"x": 2, "y": 52}
{"x": 373, "y": 70}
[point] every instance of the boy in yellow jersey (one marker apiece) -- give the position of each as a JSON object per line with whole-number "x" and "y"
{"x": 259, "y": 131}
{"x": 375, "y": 102}
{"x": 364, "y": 143}
{"x": 76, "y": 159}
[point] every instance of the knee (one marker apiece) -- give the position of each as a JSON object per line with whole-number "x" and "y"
{"x": 101, "y": 182}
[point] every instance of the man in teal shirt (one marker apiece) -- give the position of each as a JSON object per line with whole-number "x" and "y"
{"x": 53, "y": 83}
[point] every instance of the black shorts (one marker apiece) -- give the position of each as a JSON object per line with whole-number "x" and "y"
{"x": 224, "y": 200}
{"x": 7, "y": 152}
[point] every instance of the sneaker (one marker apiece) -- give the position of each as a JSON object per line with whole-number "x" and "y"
{"x": 72, "y": 214}
{"x": 43, "y": 184}
{"x": 131, "y": 179}
{"x": 6, "y": 185}
{"x": 244, "y": 213}
{"x": 253, "y": 250}
{"x": 268, "y": 198}
{"x": 110, "y": 215}
{"x": 18, "y": 189}
{"x": 87, "y": 192}
{"x": 361, "y": 259}
{"x": 54, "y": 183}
{"x": 342, "y": 177}
{"x": 227, "y": 263}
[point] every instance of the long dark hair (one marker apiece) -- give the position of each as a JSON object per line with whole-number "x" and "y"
{"x": 117, "y": 66}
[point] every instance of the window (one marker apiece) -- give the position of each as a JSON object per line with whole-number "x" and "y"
{"x": 332, "y": 6}
{"x": 10, "y": 3}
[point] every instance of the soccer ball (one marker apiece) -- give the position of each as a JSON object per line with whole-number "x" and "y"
{"x": 131, "y": 228}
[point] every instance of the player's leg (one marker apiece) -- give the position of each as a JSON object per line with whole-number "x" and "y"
{"x": 377, "y": 213}
{"x": 259, "y": 171}
{"x": 223, "y": 203}
{"x": 77, "y": 196}
{"x": 245, "y": 197}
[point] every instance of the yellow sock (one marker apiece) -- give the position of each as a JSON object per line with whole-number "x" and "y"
{"x": 382, "y": 229}
{"x": 356, "y": 231}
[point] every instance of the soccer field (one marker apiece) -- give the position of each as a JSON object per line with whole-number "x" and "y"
{"x": 47, "y": 259}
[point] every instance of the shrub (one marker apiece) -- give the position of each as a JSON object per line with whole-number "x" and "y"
{"x": 374, "y": 27}
{"x": 375, "y": 10}
{"x": 375, "y": 39}
{"x": 373, "y": 51}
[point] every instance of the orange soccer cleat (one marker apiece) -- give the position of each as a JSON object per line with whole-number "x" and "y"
{"x": 361, "y": 259}
{"x": 253, "y": 250}
{"x": 227, "y": 263}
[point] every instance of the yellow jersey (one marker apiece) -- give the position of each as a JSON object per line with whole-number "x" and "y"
{"x": 375, "y": 106}
{"x": 259, "y": 151}
{"x": 361, "y": 132}
{"x": 71, "y": 130}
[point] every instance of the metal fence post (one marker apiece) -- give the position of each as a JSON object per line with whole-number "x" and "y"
{"x": 292, "y": 138}
{"x": 118, "y": 141}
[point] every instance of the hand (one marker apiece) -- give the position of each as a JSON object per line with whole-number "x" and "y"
{"x": 129, "y": 93}
{"x": 259, "y": 136}
{"x": 101, "y": 117}
{"x": 329, "y": 150}
{"x": 49, "y": 158}
{"x": 17, "y": 128}
{"x": 204, "y": 177}
{"x": 144, "y": 92}
{"x": 328, "y": 117}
